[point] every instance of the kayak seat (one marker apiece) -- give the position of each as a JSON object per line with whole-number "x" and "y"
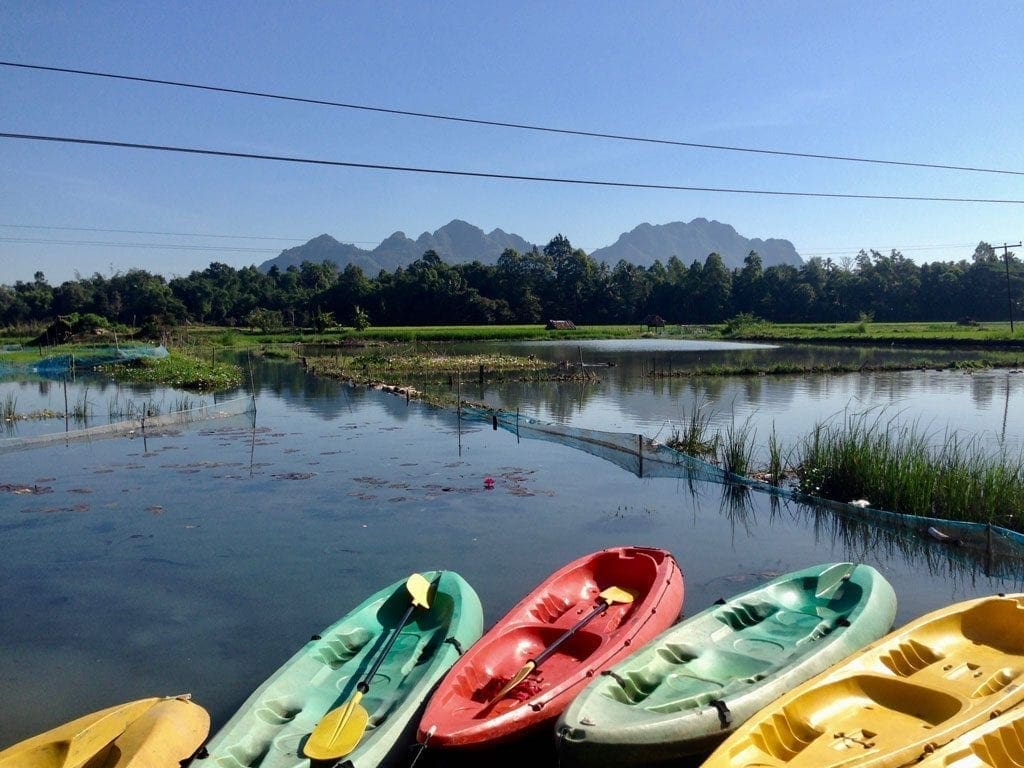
{"x": 343, "y": 646}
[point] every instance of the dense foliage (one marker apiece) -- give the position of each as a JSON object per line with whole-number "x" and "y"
{"x": 557, "y": 282}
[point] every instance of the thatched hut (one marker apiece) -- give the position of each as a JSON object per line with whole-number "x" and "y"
{"x": 560, "y": 325}
{"x": 654, "y": 321}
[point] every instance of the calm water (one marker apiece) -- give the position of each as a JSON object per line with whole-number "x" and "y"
{"x": 200, "y": 559}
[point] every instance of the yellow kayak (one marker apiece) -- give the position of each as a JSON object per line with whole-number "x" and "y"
{"x": 900, "y": 699}
{"x": 998, "y": 743}
{"x": 149, "y": 733}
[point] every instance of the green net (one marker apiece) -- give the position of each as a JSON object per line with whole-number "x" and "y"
{"x": 150, "y": 422}
{"x": 647, "y": 458}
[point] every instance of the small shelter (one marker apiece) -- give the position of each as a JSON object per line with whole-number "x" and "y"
{"x": 560, "y": 325}
{"x": 654, "y": 321}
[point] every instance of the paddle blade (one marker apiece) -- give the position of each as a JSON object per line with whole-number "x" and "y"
{"x": 419, "y": 589}
{"x": 517, "y": 678}
{"x": 617, "y": 595}
{"x": 339, "y": 732}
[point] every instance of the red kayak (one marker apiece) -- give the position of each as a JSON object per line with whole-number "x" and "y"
{"x": 583, "y": 619}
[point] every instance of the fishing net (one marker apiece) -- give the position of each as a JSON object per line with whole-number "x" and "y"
{"x": 648, "y": 458}
{"x": 143, "y": 424}
{"x": 85, "y": 359}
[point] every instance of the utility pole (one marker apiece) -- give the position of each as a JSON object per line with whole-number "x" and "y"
{"x": 1006, "y": 262}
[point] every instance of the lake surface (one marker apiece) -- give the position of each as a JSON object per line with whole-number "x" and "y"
{"x": 200, "y": 558}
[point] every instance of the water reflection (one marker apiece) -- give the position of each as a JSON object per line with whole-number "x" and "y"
{"x": 185, "y": 546}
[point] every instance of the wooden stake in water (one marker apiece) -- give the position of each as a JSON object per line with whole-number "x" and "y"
{"x": 66, "y": 424}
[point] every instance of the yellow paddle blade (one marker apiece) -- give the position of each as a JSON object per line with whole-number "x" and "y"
{"x": 519, "y": 676}
{"x": 339, "y": 732}
{"x": 419, "y": 588}
{"x": 617, "y": 595}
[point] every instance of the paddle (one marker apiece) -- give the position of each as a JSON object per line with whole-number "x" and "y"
{"x": 605, "y": 599}
{"x": 340, "y": 730}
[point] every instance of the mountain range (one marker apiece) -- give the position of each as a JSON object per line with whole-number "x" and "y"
{"x": 460, "y": 242}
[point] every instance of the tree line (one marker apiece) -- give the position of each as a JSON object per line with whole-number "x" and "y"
{"x": 558, "y": 281}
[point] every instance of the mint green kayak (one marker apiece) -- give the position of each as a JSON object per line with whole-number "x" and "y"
{"x": 273, "y": 725}
{"x": 690, "y": 687}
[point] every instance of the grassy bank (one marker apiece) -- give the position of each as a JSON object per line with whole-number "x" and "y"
{"x": 992, "y": 359}
{"x": 749, "y": 328}
{"x": 866, "y": 332}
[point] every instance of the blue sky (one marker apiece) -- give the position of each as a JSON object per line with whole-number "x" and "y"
{"x": 936, "y": 82}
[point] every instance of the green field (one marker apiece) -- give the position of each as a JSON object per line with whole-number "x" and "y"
{"x": 739, "y": 328}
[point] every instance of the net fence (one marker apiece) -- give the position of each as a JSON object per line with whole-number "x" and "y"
{"x": 647, "y": 458}
{"x": 86, "y": 358}
{"x": 147, "y": 422}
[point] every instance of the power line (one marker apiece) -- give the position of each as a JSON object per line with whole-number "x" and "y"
{"x": 154, "y": 246}
{"x": 502, "y": 176}
{"x": 806, "y": 253}
{"x": 503, "y": 124}
{"x": 293, "y": 238}
{"x": 834, "y": 250}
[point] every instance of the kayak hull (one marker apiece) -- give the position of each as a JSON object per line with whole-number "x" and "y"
{"x": 899, "y": 699}
{"x": 463, "y": 712}
{"x": 272, "y": 726}
{"x": 149, "y": 733}
{"x": 689, "y": 688}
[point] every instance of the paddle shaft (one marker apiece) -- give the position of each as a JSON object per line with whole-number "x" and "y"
{"x": 601, "y": 606}
{"x": 364, "y": 684}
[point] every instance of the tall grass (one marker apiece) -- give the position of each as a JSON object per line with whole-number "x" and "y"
{"x": 776, "y": 466}
{"x": 82, "y": 408}
{"x": 694, "y": 437}
{"x": 901, "y": 468}
{"x": 9, "y": 407}
{"x": 736, "y": 451}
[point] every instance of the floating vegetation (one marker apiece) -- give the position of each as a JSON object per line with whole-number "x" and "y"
{"x": 294, "y": 476}
{"x": 178, "y": 370}
{"x": 386, "y": 362}
{"x": 22, "y": 490}
{"x": 992, "y": 359}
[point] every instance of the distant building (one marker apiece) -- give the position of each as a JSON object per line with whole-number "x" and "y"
{"x": 654, "y": 321}
{"x": 560, "y": 325}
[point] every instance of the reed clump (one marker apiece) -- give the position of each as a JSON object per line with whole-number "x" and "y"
{"x": 902, "y": 469}
{"x": 9, "y": 407}
{"x": 694, "y": 436}
{"x": 737, "y": 449}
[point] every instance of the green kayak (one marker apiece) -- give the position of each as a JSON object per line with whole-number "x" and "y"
{"x": 690, "y": 687}
{"x": 274, "y": 724}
